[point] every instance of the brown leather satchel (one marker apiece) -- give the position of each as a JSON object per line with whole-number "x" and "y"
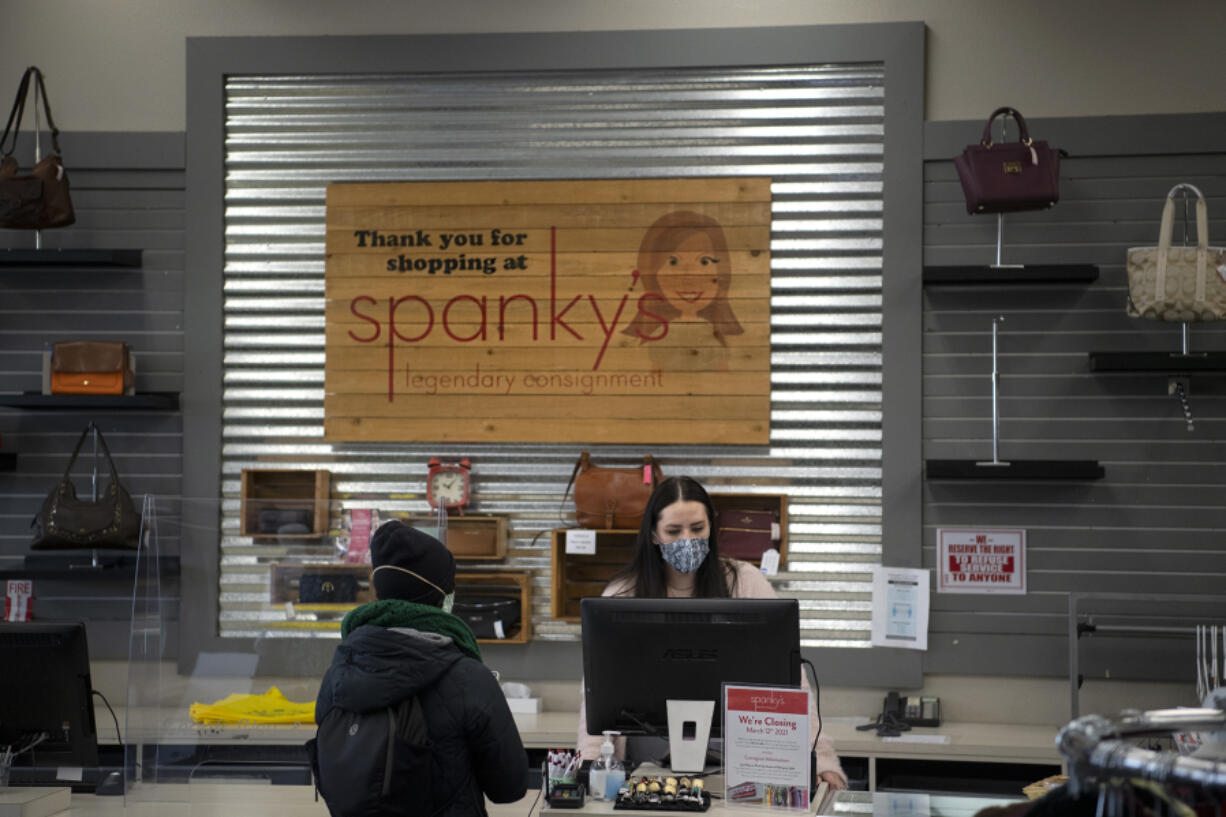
{"x": 91, "y": 367}
{"x": 612, "y": 498}
{"x": 38, "y": 200}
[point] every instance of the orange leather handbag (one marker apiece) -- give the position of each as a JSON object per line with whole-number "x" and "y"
{"x": 91, "y": 367}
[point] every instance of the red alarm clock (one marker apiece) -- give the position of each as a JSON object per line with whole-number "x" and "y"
{"x": 448, "y": 484}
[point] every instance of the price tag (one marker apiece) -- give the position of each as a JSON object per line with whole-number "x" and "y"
{"x": 770, "y": 562}
{"x": 581, "y": 541}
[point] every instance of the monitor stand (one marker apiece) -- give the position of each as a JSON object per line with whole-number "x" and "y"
{"x": 689, "y": 731}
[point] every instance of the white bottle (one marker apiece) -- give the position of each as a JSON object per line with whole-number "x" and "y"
{"x": 615, "y": 770}
{"x": 598, "y": 774}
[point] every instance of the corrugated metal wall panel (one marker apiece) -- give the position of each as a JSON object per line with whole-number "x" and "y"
{"x": 817, "y": 130}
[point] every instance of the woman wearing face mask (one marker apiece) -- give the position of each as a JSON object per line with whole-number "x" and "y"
{"x": 677, "y": 556}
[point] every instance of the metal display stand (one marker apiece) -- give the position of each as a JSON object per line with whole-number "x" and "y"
{"x": 996, "y": 468}
{"x": 1082, "y": 623}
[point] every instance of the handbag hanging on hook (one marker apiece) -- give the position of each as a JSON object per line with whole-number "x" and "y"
{"x": 38, "y": 200}
{"x": 66, "y": 522}
{"x": 1178, "y": 284}
{"x": 1006, "y": 177}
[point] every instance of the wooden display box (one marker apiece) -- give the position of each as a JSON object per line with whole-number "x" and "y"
{"x": 480, "y": 537}
{"x": 284, "y": 579}
{"x": 284, "y": 490}
{"x": 577, "y": 576}
{"x": 503, "y": 582}
{"x": 775, "y": 504}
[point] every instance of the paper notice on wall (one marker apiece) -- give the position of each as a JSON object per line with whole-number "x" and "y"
{"x": 900, "y": 608}
{"x": 581, "y": 541}
{"x": 986, "y": 560}
{"x": 17, "y": 596}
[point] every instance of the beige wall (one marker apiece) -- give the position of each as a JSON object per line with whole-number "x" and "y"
{"x": 119, "y": 65}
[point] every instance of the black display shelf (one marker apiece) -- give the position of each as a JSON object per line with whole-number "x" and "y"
{"x": 70, "y": 258}
{"x": 1014, "y": 469}
{"x": 79, "y": 563}
{"x": 1168, "y": 362}
{"x": 1028, "y": 274}
{"x": 164, "y": 401}
{"x": 8, "y": 461}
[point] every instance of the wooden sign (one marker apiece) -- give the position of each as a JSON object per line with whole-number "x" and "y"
{"x": 619, "y": 311}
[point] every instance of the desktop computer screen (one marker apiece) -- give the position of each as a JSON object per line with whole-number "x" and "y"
{"x": 639, "y": 653}
{"x": 46, "y": 712}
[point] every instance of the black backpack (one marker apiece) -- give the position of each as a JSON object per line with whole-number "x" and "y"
{"x": 375, "y": 763}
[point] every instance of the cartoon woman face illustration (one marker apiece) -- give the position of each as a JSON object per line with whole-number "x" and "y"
{"x": 689, "y": 275}
{"x": 683, "y": 259}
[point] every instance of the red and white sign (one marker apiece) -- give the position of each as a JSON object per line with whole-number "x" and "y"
{"x": 17, "y": 595}
{"x": 991, "y": 560}
{"x": 766, "y": 746}
{"x": 359, "y": 536}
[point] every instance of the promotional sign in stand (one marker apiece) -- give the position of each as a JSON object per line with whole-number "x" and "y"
{"x": 766, "y": 746}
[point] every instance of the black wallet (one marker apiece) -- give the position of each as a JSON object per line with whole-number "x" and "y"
{"x": 317, "y": 588}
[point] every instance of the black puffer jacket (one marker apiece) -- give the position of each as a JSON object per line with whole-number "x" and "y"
{"x": 477, "y": 748}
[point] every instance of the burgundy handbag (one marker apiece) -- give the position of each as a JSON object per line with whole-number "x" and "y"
{"x": 746, "y": 535}
{"x": 612, "y": 498}
{"x": 38, "y": 200}
{"x": 1009, "y": 176}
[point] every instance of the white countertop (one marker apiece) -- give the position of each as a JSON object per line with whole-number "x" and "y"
{"x": 1007, "y": 743}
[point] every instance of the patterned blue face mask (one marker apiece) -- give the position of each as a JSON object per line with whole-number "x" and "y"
{"x": 685, "y": 555}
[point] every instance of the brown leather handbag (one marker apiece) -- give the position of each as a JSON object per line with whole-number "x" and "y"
{"x": 1005, "y": 177}
{"x": 65, "y": 522}
{"x": 91, "y": 367}
{"x": 612, "y": 498}
{"x": 38, "y": 200}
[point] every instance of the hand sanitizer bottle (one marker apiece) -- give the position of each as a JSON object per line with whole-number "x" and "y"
{"x": 598, "y": 774}
{"x": 615, "y": 770}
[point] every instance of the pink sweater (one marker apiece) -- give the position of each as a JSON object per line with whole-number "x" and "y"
{"x": 751, "y": 584}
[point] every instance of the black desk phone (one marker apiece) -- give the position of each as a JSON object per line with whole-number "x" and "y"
{"x": 912, "y": 710}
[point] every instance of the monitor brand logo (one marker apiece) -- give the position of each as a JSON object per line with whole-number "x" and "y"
{"x": 689, "y": 654}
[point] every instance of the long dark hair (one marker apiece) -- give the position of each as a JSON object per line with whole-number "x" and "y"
{"x": 646, "y": 574}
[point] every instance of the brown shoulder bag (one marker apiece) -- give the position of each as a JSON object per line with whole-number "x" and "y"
{"x": 612, "y": 498}
{"x": 38, "y": 200}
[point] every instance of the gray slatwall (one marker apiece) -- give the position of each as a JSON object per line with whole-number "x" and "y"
{"x": 817, "y": 130}
{"x": 128, "y": 194}
{"x": 1155, "y": 523}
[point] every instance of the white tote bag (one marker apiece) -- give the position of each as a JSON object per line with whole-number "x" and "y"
{"x": 1178, "y": 283}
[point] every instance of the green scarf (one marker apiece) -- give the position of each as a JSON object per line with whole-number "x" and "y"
{"x": 424, "y": 617}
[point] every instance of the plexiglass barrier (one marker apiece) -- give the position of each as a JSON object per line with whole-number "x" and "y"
{"x": 225, "y": 720}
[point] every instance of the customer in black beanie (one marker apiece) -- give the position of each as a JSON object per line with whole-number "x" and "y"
{"x": 408, "y": 644}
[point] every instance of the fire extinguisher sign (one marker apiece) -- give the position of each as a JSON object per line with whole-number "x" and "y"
{"x": 981, "y": 561}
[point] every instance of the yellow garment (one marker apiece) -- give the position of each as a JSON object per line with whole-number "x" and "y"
{"x": 271, "y": 707}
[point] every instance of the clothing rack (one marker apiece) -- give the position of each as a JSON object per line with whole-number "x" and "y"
{"x": 1082, "y": 623}
{"x": 1097, "y": 752}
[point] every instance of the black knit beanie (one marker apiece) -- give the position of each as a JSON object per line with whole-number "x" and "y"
{"x": 410, "y": 564}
